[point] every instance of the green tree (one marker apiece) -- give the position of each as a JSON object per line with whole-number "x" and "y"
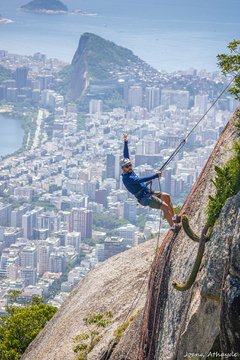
{"x": 118, "y": 333}
{"x": 13, "y": 295}
{"x": 81, "y": 121}
{"x": 21, "y": 325}
{"x": 107, "y": 221}
{"x": 230, "y": 64}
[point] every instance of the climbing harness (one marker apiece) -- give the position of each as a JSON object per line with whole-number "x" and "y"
{"x": 146, "y": 198}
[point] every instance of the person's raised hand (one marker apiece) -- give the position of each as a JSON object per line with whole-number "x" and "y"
{"x": 125, "y": 137}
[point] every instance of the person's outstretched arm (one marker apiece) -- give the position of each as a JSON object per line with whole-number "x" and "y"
{"x": 125, "y": 149}
{"x": 148, "y": 178}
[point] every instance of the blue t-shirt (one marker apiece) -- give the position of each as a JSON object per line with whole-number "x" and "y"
{"x": 134, "y": 184}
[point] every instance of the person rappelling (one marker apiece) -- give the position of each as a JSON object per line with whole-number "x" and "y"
{"x": 145, "y": 196}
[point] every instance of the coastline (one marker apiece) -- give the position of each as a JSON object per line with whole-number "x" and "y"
{"x": 29, "y": 126}
{"x": 44, "y": 11}
{"x": 6, "y": 21}
{"x": 19, "y": 148}
{"x": 56, "y": 12}
{"x": 82, "y": 13}
{"x": 5, "y": 110}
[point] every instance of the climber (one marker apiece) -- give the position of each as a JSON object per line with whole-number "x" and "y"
{"x": 145, "y": 196}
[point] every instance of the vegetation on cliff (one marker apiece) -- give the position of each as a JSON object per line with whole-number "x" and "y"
{"x": 88, "y": 340}
{"x": 100, "y": 53}
{"x": 21, "y": 325}
{"x": 63, "y": 79}
{"x": 227, "y": 181}
{"x": 48, "y": 5}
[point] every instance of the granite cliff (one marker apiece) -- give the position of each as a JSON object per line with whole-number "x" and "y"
{"x": 195, "y": 321}
{"x": 112, "y": 286}
{"x": 173, "y": 325}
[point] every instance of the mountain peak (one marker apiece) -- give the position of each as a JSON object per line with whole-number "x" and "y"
{"x": 97, "y": 59}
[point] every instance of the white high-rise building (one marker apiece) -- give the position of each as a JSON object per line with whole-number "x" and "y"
{"x": 16, "y": 215}
{"x": 152, "y": 97}
{"x": 29, "y": 275}
{"x": 57, "y": 262}
{"x": 48, "y": 221}
{"x": 95, "y": 106}
{"x": 81, "y": 221}
{"x": 135, "y": 96}
{"x": 43, "y": 258}
{"x": 5, "y": 214}
{"x": 74, "y": 239}
{"x": 113, "y": 168}
{"x": 179, "y": 98}
{"x": 128, "y": 233}
{"x": 12, "y": 272}
{"x": 28, "y": 256}
{"x": 201, "y": 102}
{"x": 130, "y": 210}
{"x": 29, "y": 222}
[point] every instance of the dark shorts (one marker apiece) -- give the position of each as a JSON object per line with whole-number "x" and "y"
{"x": 156, "y": 201}
{"x": 152, "y": 200}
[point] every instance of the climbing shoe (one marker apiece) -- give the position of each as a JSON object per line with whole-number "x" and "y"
{"x": 176, "y": 219}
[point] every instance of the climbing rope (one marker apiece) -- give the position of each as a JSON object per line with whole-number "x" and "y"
{"x": 183, "y": 142}
{"x": 136, "y": 301}
{"x": 141, "y": 289}
{"x": 160, "y": 219}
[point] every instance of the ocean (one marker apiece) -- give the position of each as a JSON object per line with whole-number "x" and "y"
{"x": 168, "y": 34}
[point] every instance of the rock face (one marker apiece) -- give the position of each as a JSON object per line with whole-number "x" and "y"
{"x": 204, "y": 318}
{"x": 78, "y": 71}
{"x": 230, "y": 290}
{"x": 96, "y": 59}
{"x": 112, "y": 286}
{"x": 214, "y": 310}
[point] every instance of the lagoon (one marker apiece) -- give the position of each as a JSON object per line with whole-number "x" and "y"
{"x": 11, "y": 134}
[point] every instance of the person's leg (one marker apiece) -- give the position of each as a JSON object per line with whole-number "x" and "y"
{"x": 156, "y": 203}
{"x": 167, "y": 213}
{"x": 167, "y": 199}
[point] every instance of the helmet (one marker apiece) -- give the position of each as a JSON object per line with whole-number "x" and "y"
{"x": 124, "y": 162}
